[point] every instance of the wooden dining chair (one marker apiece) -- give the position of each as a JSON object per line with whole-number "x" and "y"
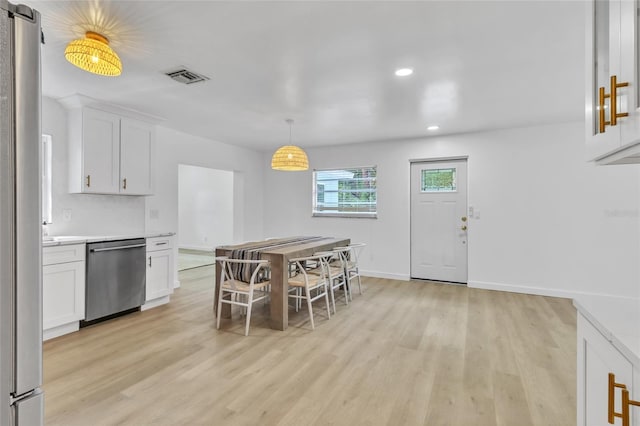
{"x": 336, "y": 276}
{"x": 351, "y": 254}
{"x": 233, "y": 291}
{"x": 303, "y": 284}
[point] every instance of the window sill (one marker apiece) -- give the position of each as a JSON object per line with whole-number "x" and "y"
{"x": 347, "y": 215}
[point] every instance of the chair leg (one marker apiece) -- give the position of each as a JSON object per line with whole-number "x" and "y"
{"x": 249, "y": 304}
{"x": 333, "y": 297}
{"x": 306, "y": 292}
{"x": 326, "y": 299}
{"x": 346, "y": 290}
{"x": 359, "y": 282}
{"x": 219, "y": 313}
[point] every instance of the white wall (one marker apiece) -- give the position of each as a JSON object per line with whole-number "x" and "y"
{"x": 550, "y": 222}
{"x": 205, "y": 207}
{"x": 124, "y": 215}
{"x": 174, "y": 148}
{"x": 90, "y": 214}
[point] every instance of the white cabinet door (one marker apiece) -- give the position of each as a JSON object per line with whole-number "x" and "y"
{"x": 612, "y": 53}
{"x": 597, "y": 357}
{"x": 603, "y": 57}
{"x": 159, "y": 274}
{"x": 136, "y": 157}
{"x": 100, "y": 152}
{"x": 62, "y": 294}
{"x": 629, "y": 96}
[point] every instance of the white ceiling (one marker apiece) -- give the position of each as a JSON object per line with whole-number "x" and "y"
{"x": 329, "y": 65}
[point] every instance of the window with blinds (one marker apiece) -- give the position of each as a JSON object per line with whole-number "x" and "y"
{"x": 345, "y": 192}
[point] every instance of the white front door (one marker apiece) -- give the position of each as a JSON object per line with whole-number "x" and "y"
{"x": 439, "y": 220}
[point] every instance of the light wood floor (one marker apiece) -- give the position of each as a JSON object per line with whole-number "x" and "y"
{"x": 404, "y": 353}
{"x": 189, "y": 259}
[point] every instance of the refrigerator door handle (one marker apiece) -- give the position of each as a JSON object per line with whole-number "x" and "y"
{"x": 27, "y": 342}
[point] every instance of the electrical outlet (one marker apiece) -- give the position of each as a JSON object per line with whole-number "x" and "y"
{"x": 154, "y": 214}
{"x": 66, "y": 215}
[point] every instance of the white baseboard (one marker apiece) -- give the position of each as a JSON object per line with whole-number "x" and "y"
{"x": 538, "y": 291}
{"x": 154, "y": 303}
{"x": 200, "y": 248}
{"x": 378, "y": 274}
{"x": 176, "y": 284}
{"x": 60, "y": 330}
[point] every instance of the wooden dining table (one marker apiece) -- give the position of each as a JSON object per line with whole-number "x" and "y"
{"x": 278, "y": 257}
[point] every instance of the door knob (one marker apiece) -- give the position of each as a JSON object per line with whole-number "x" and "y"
{"x": 464, "y": 227}
{"x": 463, "y": 218}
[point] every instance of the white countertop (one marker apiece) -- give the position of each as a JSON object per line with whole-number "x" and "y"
{"x": 618, "y": 319}
{"x": 60, "y": 240}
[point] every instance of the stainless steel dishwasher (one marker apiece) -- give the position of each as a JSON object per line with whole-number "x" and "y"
{"x": 116, "y": 277}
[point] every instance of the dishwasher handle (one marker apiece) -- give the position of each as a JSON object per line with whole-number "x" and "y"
{"x": 117, "y": 248}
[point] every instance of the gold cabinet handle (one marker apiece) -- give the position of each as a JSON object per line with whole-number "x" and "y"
{"x": 612, "y": 389}
{"x": 626, "y": 404}
{"x": 463, "y": 218}
{"x": 124, "y": 183}
{"x": 614, "y": 86}
{"x": 88, "y": 181}
{"x": 602, "y": 123}
{"x": 464, "y": 227}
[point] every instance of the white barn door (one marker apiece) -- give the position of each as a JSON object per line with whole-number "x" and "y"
{"x": 439, "y": 220}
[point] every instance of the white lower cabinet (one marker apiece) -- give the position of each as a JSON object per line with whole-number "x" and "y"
{"x": 63, "y": 289}
{"x": 598, "y": 358}
{"x": 159, "y": 271}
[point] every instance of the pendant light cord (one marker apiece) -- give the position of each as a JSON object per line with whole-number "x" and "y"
{"x": 290, "y": 121}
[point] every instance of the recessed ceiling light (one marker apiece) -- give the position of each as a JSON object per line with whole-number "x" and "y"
{"x": 403, "y": 72}
{"x": 433, "y": 127}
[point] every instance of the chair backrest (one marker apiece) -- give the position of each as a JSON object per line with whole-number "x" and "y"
{"x": 356, "y": 250}
{"x": 318, "y": 258}
{"x": 343, "y": 254}
{"x": 232, "y": 269}
{"x": 329, "y": 256}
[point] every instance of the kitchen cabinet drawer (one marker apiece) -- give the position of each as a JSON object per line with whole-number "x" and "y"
{"x": 159, "y": 243}
{"x": 63, "y": 254}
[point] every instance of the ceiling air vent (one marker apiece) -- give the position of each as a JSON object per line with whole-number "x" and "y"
{"x": 185, "y": 76}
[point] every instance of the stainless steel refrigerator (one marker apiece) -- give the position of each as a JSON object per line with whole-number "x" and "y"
{"x": 21, "y": 400}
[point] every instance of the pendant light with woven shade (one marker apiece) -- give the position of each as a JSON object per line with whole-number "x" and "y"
{"x": 94, "y": 55}
{"x": 290, "y": 158}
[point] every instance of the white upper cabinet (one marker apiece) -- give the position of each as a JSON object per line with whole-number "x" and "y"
{"x": 136, "y": 161}
{"x": 100, "y": 152}
{"x": 612, "y": 109}
{"x": 110, "y": 153}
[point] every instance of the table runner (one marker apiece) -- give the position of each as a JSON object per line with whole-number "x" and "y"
{"x": 253, "y": 251}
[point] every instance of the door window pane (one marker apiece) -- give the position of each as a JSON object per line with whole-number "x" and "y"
{"x": 438, "y": 180}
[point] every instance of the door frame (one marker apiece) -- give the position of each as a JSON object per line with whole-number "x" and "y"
{"x": 437, "y": 160}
